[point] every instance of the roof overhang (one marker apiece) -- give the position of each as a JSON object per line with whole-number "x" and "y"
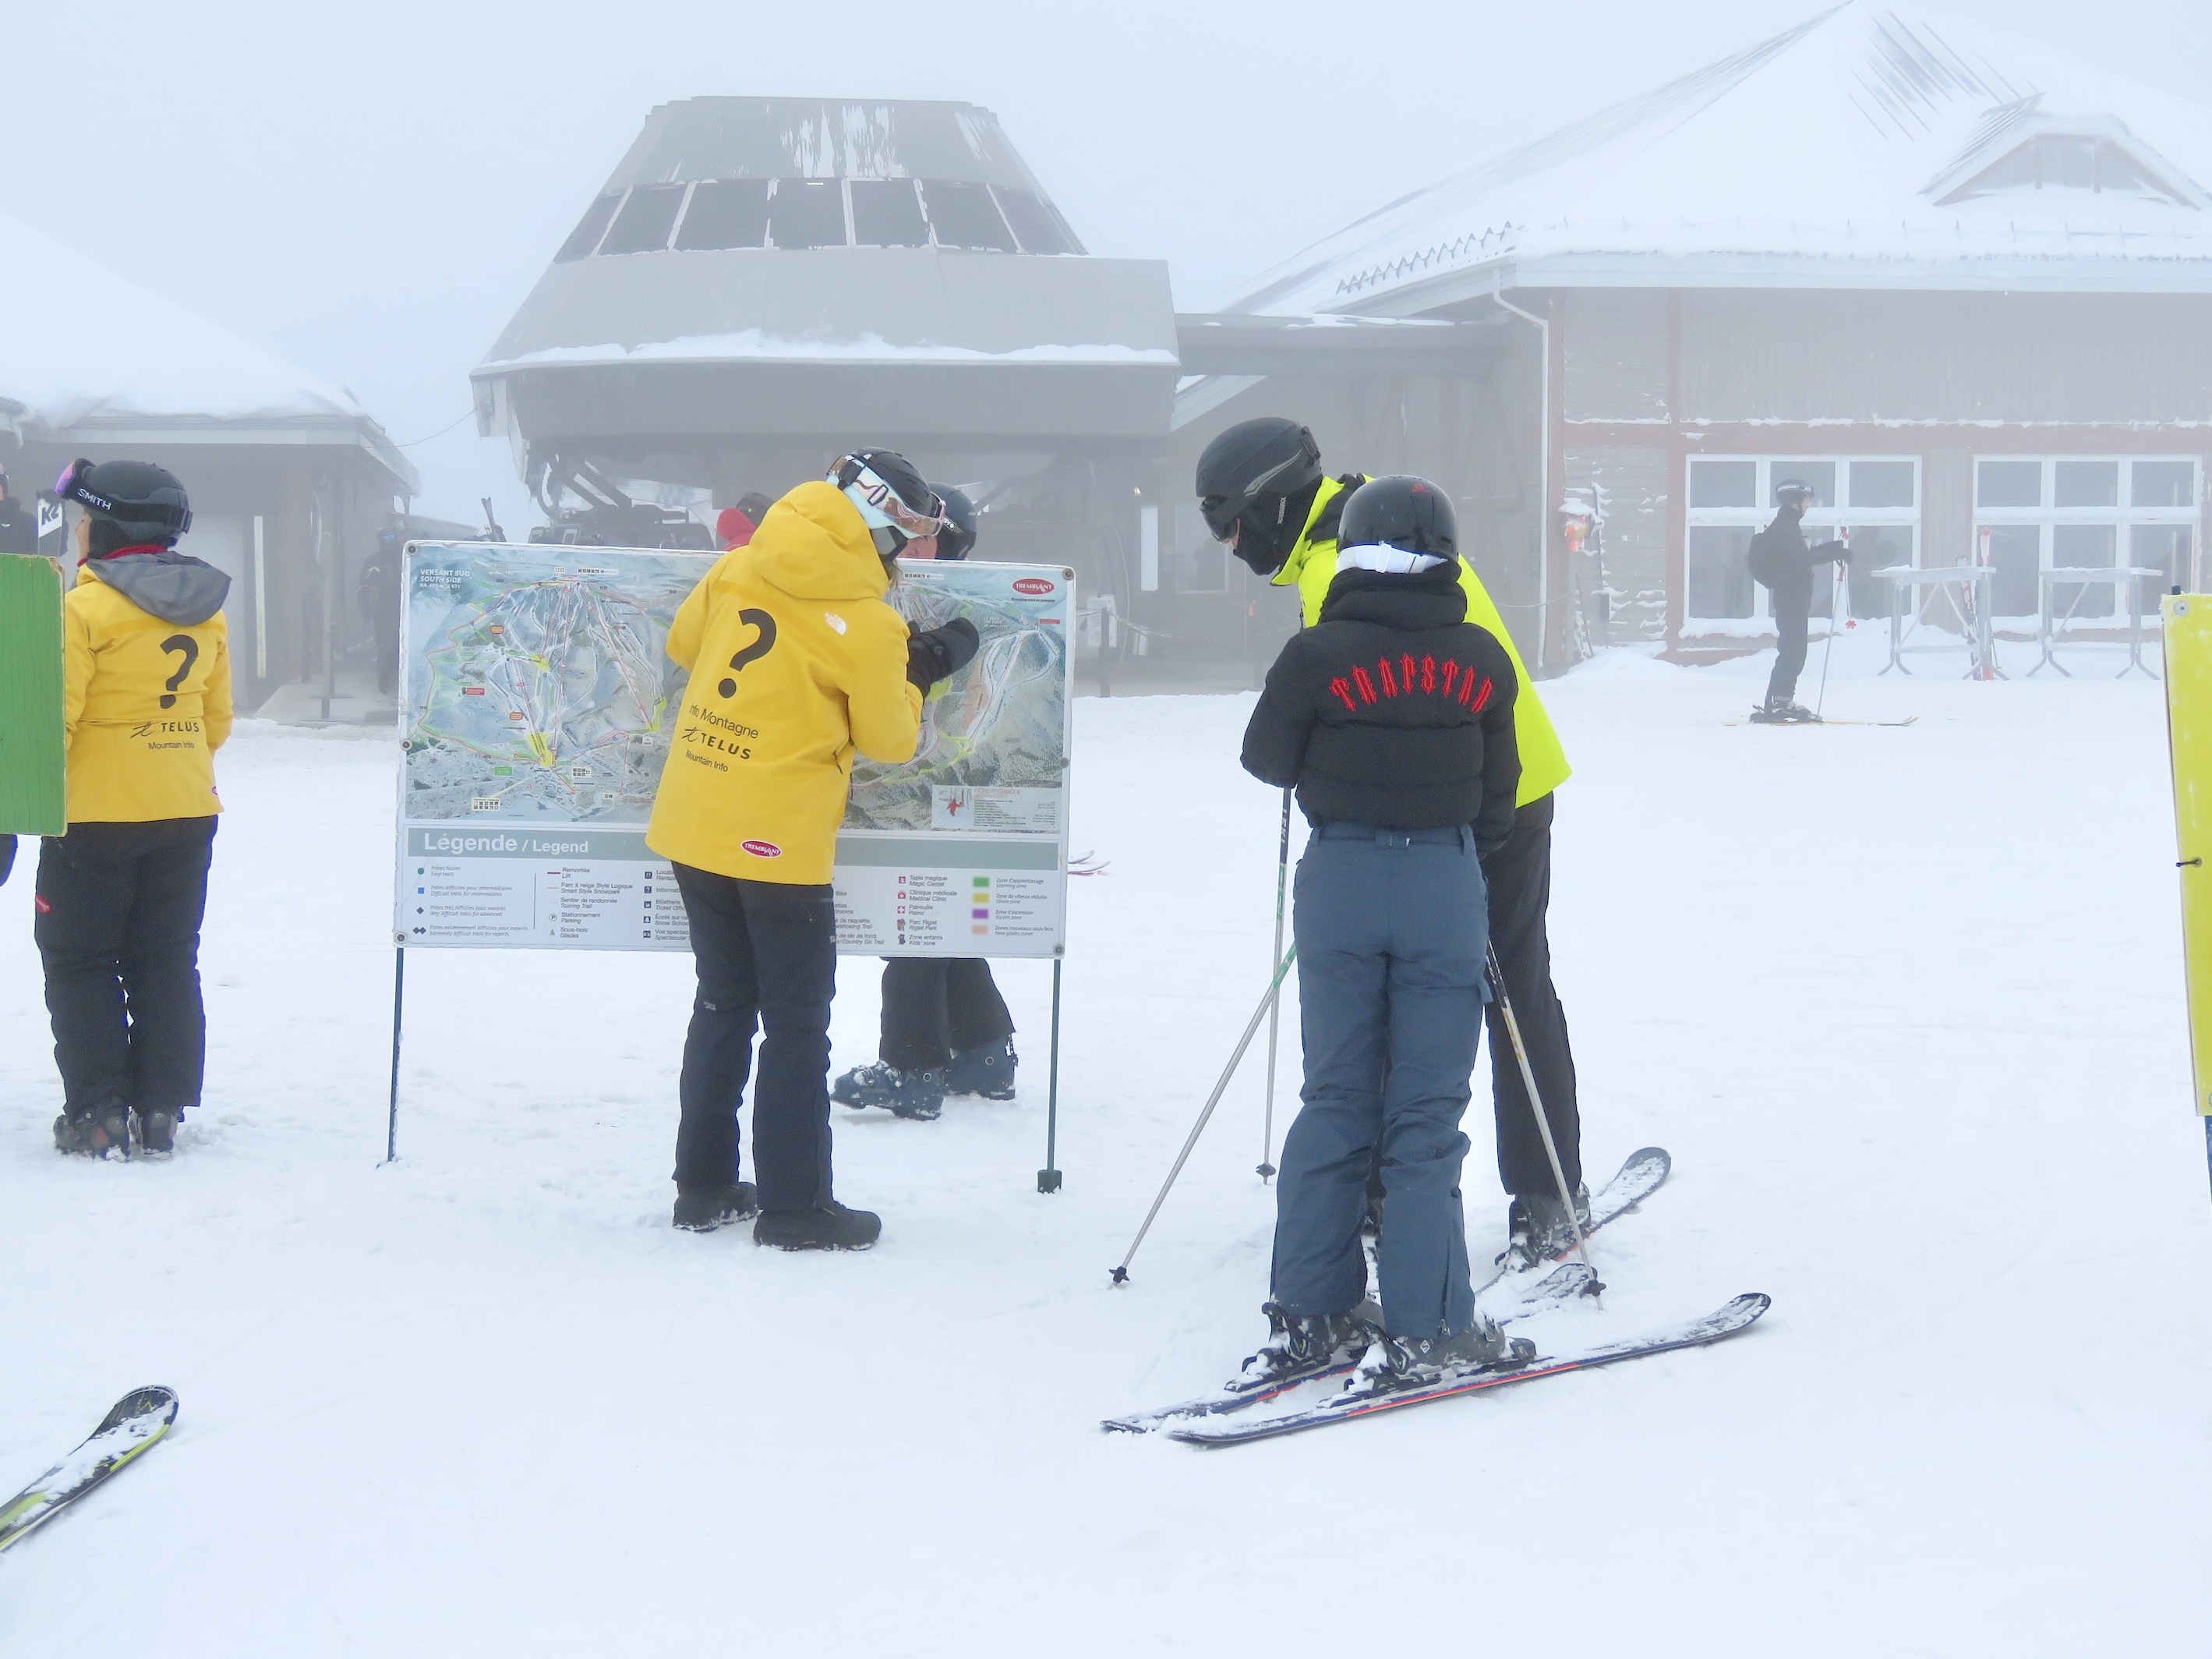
{"x": 121, "y": 429}
{"x": 1242, "y": 343}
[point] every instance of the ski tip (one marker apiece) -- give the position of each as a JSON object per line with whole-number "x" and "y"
{"x": 152, "y": 1401}
{"x": 1644, "y": 1155}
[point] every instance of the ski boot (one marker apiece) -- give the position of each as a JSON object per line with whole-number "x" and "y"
{"x": 1537, "y": 1230}
{"x": 703, "y": 1210}
{"x": 1413, "y": 1361}
{"x": 828, "y": 1226}
{"x": 919, "y": 1095}
{"x": 1305, "y": 1344}
{"x": 96, "y": 1131}
{"x": 1783, "y": 711}
{"x": 988, "y": 1070}
{"x": 153, "y": 1131}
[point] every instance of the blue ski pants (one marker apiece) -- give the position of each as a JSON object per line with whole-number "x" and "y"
{"x": 1392, "y": 926}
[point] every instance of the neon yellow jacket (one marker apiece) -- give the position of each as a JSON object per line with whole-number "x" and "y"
{"x": 146, "y": 704}
{"x": 796, "y": 662}
{"x": 1312, "y": 566}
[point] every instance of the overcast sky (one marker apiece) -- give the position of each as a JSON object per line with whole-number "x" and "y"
{"x": 371, "y": 190}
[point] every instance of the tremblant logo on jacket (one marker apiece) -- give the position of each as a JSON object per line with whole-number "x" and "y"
{"x": 1410, "y": 674}
{"x": 1032, "y": 585}
{"x": 763, "y": 849}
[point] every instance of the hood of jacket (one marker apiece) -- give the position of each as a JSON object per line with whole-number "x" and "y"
{"x": 814, "y": 544}
{"x": 1426, "y": 599}
{"x": 173, "y": 586}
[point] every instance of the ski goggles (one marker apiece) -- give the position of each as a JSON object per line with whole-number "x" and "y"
{"x": 172, "y": 516}
{"x": 883, "y": 507}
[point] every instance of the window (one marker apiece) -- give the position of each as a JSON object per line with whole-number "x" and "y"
{"x": 807, "y": 213}
{"x": 1039, "y": 229}
{"x": 1732, "y": 498}
{"x": 645, "y": 219}
{"x": 725, "y": 213}
{"x": 964, "y": 215}
{"x": 2087, "y": 513}
{"x": 886, "y": 213}
{"x": 589, "y": 228}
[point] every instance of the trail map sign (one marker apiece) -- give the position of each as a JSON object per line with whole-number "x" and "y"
{"x": 537, "y": 707}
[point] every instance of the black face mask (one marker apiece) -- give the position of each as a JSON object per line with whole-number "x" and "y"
{"x": 1265, "y": 533}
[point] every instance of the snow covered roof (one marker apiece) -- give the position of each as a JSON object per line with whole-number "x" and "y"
{"x": 1861, "y": 147}
{"x": 86, "y": 353}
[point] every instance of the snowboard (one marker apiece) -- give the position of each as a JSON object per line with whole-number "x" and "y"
{"x": 136, "y": 1422}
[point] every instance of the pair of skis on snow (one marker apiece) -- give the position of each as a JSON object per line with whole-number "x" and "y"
{"x": 137, "y": 1420}
{"x": 1219, "y": 1418}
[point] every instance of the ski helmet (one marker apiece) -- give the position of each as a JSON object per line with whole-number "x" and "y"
{"x": 890, "y": 495}
{"x": 957, "y": 539}
{"x": 1245, "y": 477}
{"x": 1401, "y": 511}
{"x": 145, "y": 502}
{"x": 1793, "y": 492}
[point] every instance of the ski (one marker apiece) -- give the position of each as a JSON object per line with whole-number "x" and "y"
{"x": 1564, "y": 1285}
{"x": 1908, "y": 720}
{"x": 1737, "y": 1316}
{"x": 1639, "y": 1177}
{"x": 136, "y": 1421}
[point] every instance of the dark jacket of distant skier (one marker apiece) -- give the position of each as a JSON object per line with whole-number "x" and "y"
{"x": 796, "y": 662}
{"x": 1392, "y": 709}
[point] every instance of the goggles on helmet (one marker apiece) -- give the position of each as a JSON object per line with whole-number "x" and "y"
{"x": 71, "y": 487}
{"x": 883, "y": 507}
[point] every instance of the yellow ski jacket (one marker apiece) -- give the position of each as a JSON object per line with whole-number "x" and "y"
{"x": 146, "y": 700}
{"x": 796, "y": 661}
{"x": 1312, "y": 566}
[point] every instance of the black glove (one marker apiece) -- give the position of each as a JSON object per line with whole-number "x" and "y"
{"x": 941, "y": 653}
{"x": 1839, "y": 551}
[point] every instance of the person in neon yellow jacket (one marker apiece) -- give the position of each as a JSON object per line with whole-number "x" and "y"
{"x": 1262, "y": 490}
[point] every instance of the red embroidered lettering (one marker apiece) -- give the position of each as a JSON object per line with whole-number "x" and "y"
{"x": 1341, "y": 688}
{"x": 1484, "y": 698}
{"x": 1406, "y": 672}
{"x": 1466, "y": 687}
{"x": 1366, "y": 686}
{"x": 1451, "y": 673}
{"x": 1428, "y": 673}
{"x": 1389, "y": 684}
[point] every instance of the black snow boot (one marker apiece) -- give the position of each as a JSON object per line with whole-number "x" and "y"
{"x": 989, "y": 1072}
{"x": 96, "y": 1131}
{"x": 1412, "y": 1362}
{"x": 1304, "y": 1345}
{"x": 703, "y": 1210}
{"x": 828, "y": 1226}
{"x": 1783, "y": 711}
{"x": 918, "y": 1095}
{"x": 153, "y": 1131}
{"x": 1536, "y": 1226}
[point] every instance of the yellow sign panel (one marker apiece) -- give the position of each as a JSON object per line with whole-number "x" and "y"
{"x": 2188, "y": 733}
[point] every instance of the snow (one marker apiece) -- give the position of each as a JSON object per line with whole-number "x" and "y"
{"x": 1904, "y": 1004}
{"x": 752, "y": 344}
{"x": 77, "y": 339}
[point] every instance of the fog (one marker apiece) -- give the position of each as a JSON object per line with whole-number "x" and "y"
{"x": 371, "y": 191}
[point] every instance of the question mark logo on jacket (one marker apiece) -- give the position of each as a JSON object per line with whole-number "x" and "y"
{"x": 190, "y": 648}
{"x": 752, "y": 653}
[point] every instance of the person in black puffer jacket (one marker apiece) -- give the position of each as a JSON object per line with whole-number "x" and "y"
{"x": 1393, "y": 719}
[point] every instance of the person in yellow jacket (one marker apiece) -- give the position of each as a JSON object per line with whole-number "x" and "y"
{"x": 121, "y": 894}
{"x": 1261, "y": 490}
{"x": 796, "y": 662}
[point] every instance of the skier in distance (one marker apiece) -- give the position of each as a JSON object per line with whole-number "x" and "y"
{"x": 1261, "y": 490}
{"x": 798, "y": 662}
{"x": 121, "y": 895}
{"x": 946, "y": 1027}
{"x": 1393, "y": 718}
{"x": 1781, "y": 562}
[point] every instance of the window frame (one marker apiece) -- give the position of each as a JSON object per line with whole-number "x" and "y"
{"x": 2124, "y": 516}
{"x": 1769, "y": 469}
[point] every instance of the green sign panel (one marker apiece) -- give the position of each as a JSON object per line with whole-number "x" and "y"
{"x": 32, "y": 756}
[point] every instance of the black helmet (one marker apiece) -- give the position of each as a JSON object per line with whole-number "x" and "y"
{"x": 145, "y": 502}
{"x": 1247, "y": 474}
{"x": 957, "y": 539}
{"x": 1401, "y": 511}
{"x": 1793, "y": 491}
{"x": 753, "y": 506}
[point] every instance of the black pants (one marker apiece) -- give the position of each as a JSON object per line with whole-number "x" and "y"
{"x": 767, "y": 956}
{"x": 118, "y": 929}
{"x": 1791, "y": 600}
{"x": 933, "y": 1007}
{"x": 1520, "y": 878}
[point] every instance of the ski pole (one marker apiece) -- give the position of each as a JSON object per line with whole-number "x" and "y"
{"x": 1536, "y": 1104}
{"x": 1275, "y": 985}
{"x": 1275, "y": 1008}
{"x": 1838, "y": 585}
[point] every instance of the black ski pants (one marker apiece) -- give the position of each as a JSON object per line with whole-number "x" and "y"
{"x": 1789, "y": 596}
{"x": 118, "y": 926}
{"x": 766, "y": 953}
{"x": 1520, "y": 878}
{"x": 934, "y": 1008}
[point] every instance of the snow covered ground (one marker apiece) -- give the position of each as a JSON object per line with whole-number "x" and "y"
{"x": 1904, "y": 1004}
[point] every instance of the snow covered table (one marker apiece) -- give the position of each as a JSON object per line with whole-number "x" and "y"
{"x": 1967, "y": 587}
{"x": 2082, "y": 578}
